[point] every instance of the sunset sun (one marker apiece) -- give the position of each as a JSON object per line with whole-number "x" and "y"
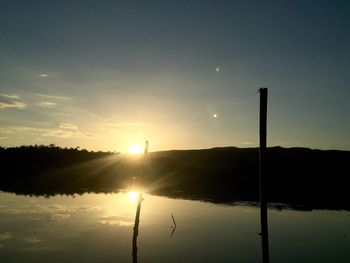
{"x": 135, "y": 149}
{"x": 133, "y": 196}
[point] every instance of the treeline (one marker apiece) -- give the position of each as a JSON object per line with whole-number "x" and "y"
{"x": 46, "y": 168}
{"x": 40, "y": 157}
{"x": 299, "y": 177}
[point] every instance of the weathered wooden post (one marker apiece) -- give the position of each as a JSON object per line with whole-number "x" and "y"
{"x": 145, "y": 152}
{"x": 262, "y": 176}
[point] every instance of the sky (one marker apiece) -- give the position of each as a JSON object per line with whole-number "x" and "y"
{"x": 104, "y": 75}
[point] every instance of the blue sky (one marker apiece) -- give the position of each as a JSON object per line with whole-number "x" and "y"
{"x": 104, "y": 75}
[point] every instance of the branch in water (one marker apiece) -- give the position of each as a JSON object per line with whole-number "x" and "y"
{"x": 173, "y": 227}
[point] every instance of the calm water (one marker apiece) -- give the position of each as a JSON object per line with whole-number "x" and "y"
{"x": 99, "y": 228}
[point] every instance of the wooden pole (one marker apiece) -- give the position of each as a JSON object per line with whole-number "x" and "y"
{"x": 145, "y": 152}
{"x": 262, "y": 175}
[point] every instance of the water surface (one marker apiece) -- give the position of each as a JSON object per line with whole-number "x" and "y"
{"x": 99, "y": 228}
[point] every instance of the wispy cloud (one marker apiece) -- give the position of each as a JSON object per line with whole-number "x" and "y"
{"x": 47, "y": 104}
{"x": 115, "y": 220}
{"x": 4, "y": 133}
{"x": 67, "y": 126}
{"x": 32, "y": 240}
{"x": 65, "y": 130}
{"x": 6, "y": 104}
{"x": 9, "y": 95}
{"x": 12, "y": 104}
{"x": 50, "y": 96}
{"x": 59, "y": 217}
{"x": 4, "y": 236}
{"x": 48, "y": 209}
{"x": 26, "y": 129}
{"x": 60, "y": 133}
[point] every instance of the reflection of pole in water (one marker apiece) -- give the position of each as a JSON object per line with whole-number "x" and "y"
{"x": 136, "y": 229}
{"x": 262, "y": 181}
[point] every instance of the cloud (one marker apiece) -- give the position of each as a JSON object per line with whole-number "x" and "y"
{"x": 5, "y": 131}
{"x": 3, "y": 135}
{"x": 67, "y": 126}
{"x": 66, "y": 133}
{"x": 59, "y": 134}
{"x": 32, "y": 240}
{"x": 9, "y": 95}
{"x": 13, "y": 104}
{"x": 43, "y": 75}
{"x": 5, "y": 236}
{"x": 115, "y": 220}
{"x": 59, "y": 217}
{"x": 55, "y": 211}
{"x": 47, "y": 104}
{"x": 49, "y": 96}
{"x": 65, "y": 130}
{"x": 89, "y": 208}
{"x": 27, "y": 129}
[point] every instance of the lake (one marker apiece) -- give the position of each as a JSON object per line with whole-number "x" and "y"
{"x": 99, "y": 228}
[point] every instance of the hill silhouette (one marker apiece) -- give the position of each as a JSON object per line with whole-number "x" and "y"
{"x": 297, "y": 177}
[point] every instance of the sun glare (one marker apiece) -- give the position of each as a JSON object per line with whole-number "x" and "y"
{"x": 135, "y": 149}
{"x": 133, "y": 196}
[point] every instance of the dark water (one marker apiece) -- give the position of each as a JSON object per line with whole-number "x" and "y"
{"x": 99, "y": 228}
